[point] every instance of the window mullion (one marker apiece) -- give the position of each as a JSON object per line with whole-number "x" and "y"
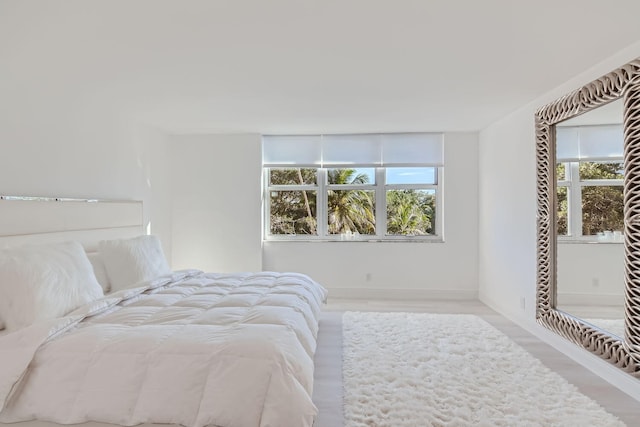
{"x": 602, "y": 182}
{"x": 575, "y": 200}
{"x": 304, "y": 187}
{"x": 266, "y": 202}
{"x": 381, "y": 203}
{"x": 439, "y": 226}
{"x": 321, "y": 203}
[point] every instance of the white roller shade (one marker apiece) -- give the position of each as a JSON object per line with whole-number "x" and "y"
{"x": 413, "y": 149}
{"x": 589, "y": 143}
{"x": 351, "y": 150}
{"x": 299, "y": 150}
{"x": 357, "y": 150}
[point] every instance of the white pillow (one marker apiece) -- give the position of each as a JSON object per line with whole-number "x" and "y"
{"x": 100, "y": 271}
{"x": 39, "y": 282}
{"x": 129, "y": 261}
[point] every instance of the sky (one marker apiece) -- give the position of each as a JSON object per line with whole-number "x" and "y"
{"x": 403, "y": 175}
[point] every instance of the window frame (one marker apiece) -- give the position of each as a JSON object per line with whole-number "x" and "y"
{"x": 379, "y": 187}
{"x": 574, "y": 186}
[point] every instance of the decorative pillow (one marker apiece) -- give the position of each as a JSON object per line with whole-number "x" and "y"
{"x": 130, "y": 261}
{"x": 40, "y": 282}
{"x": 100, "y": 271}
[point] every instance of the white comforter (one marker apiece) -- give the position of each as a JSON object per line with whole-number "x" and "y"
{"x": 194, "y": 349}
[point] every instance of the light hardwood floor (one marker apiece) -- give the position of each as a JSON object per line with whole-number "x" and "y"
{"x": 327, "y": 393}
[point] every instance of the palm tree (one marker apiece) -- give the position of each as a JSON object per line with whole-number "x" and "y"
{"x": 350, "y": 211}
{"x": 409, "y": 212}
{"x": 293, "y": 211}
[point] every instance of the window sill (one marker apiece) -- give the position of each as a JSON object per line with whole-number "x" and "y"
{"x": 590, "y": 242}
{"x": 406, "y": 240}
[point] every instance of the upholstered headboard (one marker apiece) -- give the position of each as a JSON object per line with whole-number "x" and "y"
{"x": 45, "y": 219}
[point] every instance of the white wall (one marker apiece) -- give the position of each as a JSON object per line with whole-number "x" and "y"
{"x": 590, "y": 274}
{"x": 396, "y": 269}
{"x": 507, "y": 211}
{"x": 216, "y": 202}
{"x": 84, "y": 151}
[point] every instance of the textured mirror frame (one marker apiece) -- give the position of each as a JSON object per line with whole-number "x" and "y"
{"x": 621, "y": 83}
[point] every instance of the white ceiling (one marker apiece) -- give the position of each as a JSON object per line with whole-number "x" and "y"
{"x": 304, "y": 66}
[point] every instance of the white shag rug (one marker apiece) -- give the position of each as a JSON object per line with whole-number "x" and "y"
{"x": 419, "y": 370}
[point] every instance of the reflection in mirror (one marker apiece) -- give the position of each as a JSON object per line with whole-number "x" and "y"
{"x": 590, "y": 218}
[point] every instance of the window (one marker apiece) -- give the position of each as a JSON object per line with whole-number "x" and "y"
{"x": 353, "y": 187}
{"x": 590, "y": 175}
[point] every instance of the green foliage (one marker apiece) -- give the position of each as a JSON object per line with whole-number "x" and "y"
{"x": 602, "y": 206}
{"x": 410, "y": 212}
{"x": 293, "y": 212}
{"x": 346, "y": 176}
{"x": 292, "y": 176}
{"x": 594, "y": 170}
{"x": 602, "y": 209}
{"x": 350, "y": 211}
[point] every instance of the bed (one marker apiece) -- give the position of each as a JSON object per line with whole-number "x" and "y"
{"x": 103, "y": 331}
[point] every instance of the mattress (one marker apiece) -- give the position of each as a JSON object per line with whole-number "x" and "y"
{"x": 193, "y": 349}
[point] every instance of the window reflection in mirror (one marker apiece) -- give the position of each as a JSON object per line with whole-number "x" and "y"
{"x": 590, "y": 217}
{"x": 590, "y": 200}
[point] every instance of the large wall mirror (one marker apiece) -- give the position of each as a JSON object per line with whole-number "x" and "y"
{"x": 588, "y": 190}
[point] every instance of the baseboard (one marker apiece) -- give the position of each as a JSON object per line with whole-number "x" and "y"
{"x": 401, "y": 294}
{"x": 598, "y": 366}
{"x": 605, "y": 370}
{"x": 597, "y": 300}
